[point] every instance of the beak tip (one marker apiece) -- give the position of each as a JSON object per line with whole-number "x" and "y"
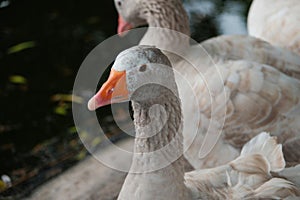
{"x": 91, "y": 105}
{"x": 123, "y": 27}
{"x": 121, "y": 34}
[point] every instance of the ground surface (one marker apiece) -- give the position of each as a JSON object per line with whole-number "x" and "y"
{"x": 87, "y": 180}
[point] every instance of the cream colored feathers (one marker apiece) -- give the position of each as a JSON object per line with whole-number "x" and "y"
{"x": 276, "y": 21}
{"x": 247, "y": 177}
{"x": 157, "y": 170}
{"x": 254, "y": 95}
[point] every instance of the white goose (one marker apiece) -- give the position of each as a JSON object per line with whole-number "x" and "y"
{"x": 170, "y": 14}
{"x": 251, "y": 97}
{"x": 157, "y": 170}
{"x": 277, "y": 22}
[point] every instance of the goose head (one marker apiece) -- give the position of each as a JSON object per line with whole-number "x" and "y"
{"x": 134, "y": 75}
{"x": 155, "y": 13}
{"x": 130, "y": 15}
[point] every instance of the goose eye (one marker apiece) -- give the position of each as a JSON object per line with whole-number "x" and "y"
{"x": 143, "y": 68}
{"x": 119, "y": 3}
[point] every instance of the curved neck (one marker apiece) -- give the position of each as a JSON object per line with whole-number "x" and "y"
{"x": 158, "y": 122}
{"x": 167, "y": 14}
{"x": 158, "y": 141}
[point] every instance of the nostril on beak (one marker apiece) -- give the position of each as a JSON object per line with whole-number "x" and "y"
{"x": 110, "y": 91}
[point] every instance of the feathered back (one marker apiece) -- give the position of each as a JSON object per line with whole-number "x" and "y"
{"x": 247, "y": 177}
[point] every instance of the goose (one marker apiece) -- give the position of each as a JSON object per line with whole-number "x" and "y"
{"x": 171, "y": 15}
{"x": 144, "y": 75}
{"x": 250, "y": 98}
{"x": 277, "y": 22}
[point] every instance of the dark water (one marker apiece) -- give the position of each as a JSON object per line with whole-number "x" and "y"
{"x": 42, "y": 44}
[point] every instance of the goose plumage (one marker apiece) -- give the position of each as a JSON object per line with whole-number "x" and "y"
{"x": 259, "y": 88}
{"x": 277, "y": 22}
{"x": 157, "y": 170}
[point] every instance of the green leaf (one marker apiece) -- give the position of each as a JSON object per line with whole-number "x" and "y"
{"x": 96, "y": 141}
{"x": 21, "y": 46}
{"x": 61, "y": 109}
{"x": 17, "y": 79}
{"x": 83, "y": 135}
{"x": 67, "y": 98}
{"x": 72, "y": 129}
{"x": 81, "y": 155}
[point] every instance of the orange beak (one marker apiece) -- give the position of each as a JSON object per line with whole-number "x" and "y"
{"x": 123, "y": 26}
{"x": 114, "y": 90}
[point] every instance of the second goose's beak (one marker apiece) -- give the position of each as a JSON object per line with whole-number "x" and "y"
{"x": 114, "y": 90}
{"x": 123, "y": 26}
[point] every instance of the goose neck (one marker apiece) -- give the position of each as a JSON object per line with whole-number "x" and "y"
{"x": 158, "y": 122}
{"x": 168, "y": 25}
{"x": 168, "y": 14}
{"x": 159, "y": 140}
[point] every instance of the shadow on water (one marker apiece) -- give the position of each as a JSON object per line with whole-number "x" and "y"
{"x": 42, "y": 46}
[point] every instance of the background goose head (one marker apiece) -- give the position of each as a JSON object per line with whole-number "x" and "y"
{"x": 129, "y": 15}
{"x": 156, "y": 13}
{"x": 138, "y": 74}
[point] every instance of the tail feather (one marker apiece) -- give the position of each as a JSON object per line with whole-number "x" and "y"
{"x": 277, "y": 188}
{"x": 251, "y": 164}
{"x": 268, "y": 147}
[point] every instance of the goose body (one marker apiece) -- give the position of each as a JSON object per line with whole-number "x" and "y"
{"x": 246, "y": 177}
{"x": 258, "y": 89}
{"x": 277, "y": 22}
{"x": 157, "y": 170}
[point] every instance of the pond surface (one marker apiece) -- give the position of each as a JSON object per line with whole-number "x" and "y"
{"x": 42, "y": 45}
